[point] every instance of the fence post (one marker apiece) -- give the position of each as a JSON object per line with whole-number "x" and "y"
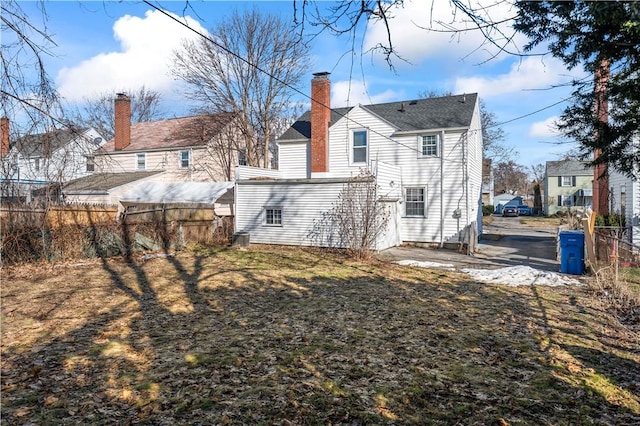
{"x": 588, "y": 224}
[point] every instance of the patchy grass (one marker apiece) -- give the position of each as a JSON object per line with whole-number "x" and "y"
{"x": 291, "y": 336}
{"x": 541, "y": 221}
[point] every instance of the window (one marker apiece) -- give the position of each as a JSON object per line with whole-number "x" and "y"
{"x": 623, "y": 199}
{"x": 566, "y": 181}
{"x": 185, "y": 159}
{"x": 414, "y": 201}
{"x": 141, "y": 161}
{"x": 90, "y": 164}
{"x": 273, "y": 216}
{"x": 565, "y": 201}
{"x": 37, "y": 164}
{"x": 429, "y": 145}
{"x": 360, "y": 146}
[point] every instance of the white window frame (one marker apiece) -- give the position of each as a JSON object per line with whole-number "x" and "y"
{"x": 408, "y": 202}
{"x": 36, "y": 164}
{"x": 567, "y": 181}
{"x": 143, "y": 156}
{"x": 181, "y": 159}
{"x": 565, "y": 201}
{"x": 422, "y": 145}
{"x": 273, "y": 219}
{"x": 353, "y": 146}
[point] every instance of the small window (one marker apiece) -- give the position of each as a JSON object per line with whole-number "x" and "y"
{"x": 90, "y": 164}
{"x": 141, "y": 161}
{"x": 565, "y": 201}
{"x": 185, "y": 159}
{"x": 37, "y": 164}
{"x": 429, "y": 145}
{"x": 566, "y": 181}
{"x": 273, "y": 216}
{"x": 360, "y": 146}
{"x": 414, "y": 202}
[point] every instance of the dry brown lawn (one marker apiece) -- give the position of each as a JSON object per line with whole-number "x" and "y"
{"x": 291, "y": 336}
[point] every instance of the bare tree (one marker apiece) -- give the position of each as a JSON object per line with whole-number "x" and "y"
{"x": 97, "y": 111}
{"x": 510, "y": 178}
{"x": 356, "y": 220}
{"x": 249, "y": 66}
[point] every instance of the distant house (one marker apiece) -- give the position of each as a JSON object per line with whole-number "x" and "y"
{"x": 197, "y": 148}
{"x": 624, "y": 199}
{"x": 488, "y": 183}
{"x": 425, "y": 156}
{"x": 43, "y": 160}
{"x": 503, "y": 200}
{"x": 568, "y": 184}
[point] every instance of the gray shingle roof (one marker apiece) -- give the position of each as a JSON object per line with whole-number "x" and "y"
{"x": 420, "y": 114}
{"x": 568, "y": 168}
{"x": 101, "y": 182}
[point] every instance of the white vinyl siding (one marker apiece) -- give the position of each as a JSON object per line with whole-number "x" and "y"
{"x": 90, "y": 165}
{"x": 293, "y": 160}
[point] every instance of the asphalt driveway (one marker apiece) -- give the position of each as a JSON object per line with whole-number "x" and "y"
{"x": 504, "y": 242}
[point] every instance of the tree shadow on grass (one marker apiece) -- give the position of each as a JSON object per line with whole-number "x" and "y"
{"x": 241, "y": 338}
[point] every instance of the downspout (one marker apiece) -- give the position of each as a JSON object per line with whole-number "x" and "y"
{"x": 441, "y": 188}
{"x": 465, "y": 187}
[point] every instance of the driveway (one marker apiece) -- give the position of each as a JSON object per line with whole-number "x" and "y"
{"x": 504, "y": 242}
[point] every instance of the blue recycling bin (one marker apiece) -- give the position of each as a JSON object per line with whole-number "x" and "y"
{"x": 572, "y": 252}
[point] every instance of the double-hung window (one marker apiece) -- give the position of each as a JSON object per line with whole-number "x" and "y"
{"x": 415, "y": 198}
{"x": 428, "y": 145}
{"x": 185, "y": 159}
{"x": 141, "y": 161}
{"x": 91, "y": 165}
{"x": 360, "y": 146}
{"x": 566, "y": 181}
{"x": 273, "y": 216}
{"x": 37, "y": 164}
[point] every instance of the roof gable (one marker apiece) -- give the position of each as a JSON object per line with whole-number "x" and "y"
{"x": 44, "y": 144}
{"x": 175, "y": 132}
{"x": 569, "y": 168}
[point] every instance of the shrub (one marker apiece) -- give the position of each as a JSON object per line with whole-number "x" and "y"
{"x": 488, "y": 210}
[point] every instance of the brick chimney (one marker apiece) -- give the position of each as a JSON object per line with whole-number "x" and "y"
{"x": 122, "y": 124}
{"x": 4, "y": 136}
{"x": 320, "y": 118}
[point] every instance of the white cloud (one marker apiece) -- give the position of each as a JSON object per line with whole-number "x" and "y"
{"x": 530, "y": 73}
{"x": 146, "y": 46}
{"x": 545, "y": 128}
{"x": 414, "y": 42}
{"x": 351, "y": 93}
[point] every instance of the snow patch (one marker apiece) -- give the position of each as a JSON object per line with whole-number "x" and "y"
{"x": 421, "y": 264}
{"x": 520, "y": 275}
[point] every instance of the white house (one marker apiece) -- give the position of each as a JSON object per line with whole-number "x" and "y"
{"x": 45, "y": 159}
{"x": 425, "y": 154}
{"x": 624, "y": 199}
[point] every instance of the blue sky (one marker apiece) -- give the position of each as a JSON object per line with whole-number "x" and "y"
{"x": 112, "y": 46}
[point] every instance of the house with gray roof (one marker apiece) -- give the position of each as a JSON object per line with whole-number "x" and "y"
{"x": 424, "y": 154}
{"x": 45, "y": 160}
{"x": 568, "y": 184}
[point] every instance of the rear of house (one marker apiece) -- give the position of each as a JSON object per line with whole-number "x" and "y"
{"x": 568, "y": 184}
{"x": 425, "y": 155}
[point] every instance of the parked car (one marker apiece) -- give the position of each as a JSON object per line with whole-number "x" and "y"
{"x": 510, "y": 211}
{"x": 524, "y": 210}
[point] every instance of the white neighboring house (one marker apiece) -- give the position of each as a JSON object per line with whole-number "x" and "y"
{"x": 426, "y": 156}
{"x": 42, "y": 160}
{"x": 624, "y": 199}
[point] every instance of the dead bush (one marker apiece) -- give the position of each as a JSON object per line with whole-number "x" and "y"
{"x": 614, "y": 290}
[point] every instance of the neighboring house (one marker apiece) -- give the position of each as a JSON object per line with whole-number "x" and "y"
{"x": 198, "y": 148}
{"x": 46, "y": 160}
{"x": 105, "y": 188}
{"x": 426, "y": 156}
{"x": 624, "y": 198}
{"x": 488, "y": 184}
{"x": 503, "y": 200}
{"x": 568, "y": 184}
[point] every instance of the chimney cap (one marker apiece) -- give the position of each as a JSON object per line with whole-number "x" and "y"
{"x": 122, "y": 96}
{"x": 321, "y": 74}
